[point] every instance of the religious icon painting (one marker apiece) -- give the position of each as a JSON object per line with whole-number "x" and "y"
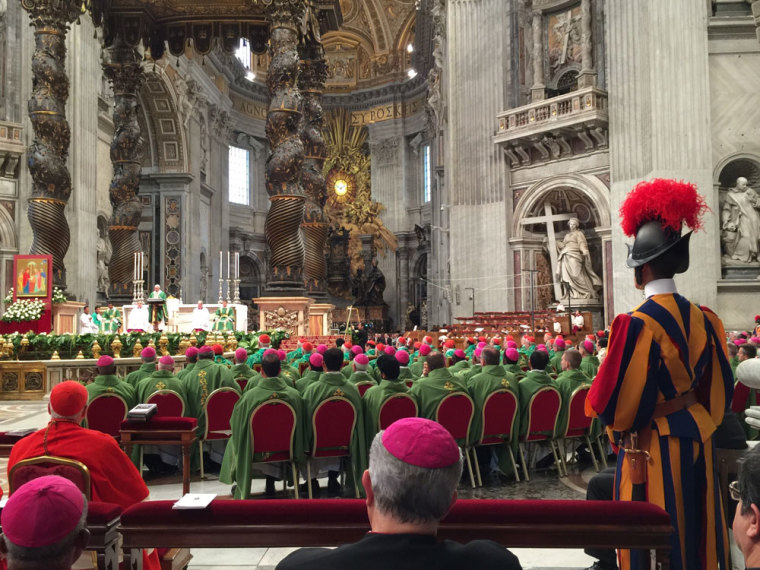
{"x": 32, "y": 276}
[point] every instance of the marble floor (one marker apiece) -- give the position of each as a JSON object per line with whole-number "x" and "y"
{"x": 21, "y": 415}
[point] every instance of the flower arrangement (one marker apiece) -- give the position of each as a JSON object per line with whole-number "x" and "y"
{"x": 24, "y": 310}
{"x": 9, "y": 297}
{"x": 58, "y": 296}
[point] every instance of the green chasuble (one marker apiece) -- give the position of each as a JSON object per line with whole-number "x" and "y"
{"x": 416, "y": 367}
{"x": 471, "y": 372}
{"x": 206, "y": 377}
{"x": 373, "y": 399}
{"x": 492, "y": 378}
{"x": 307, "y": 379}
{"x": 335, "y": 384}
{"x": 224, "y": 319}
{"x": 161, "y": 380}
{"x": 361, "y": 376}
{"x": 567, "y": 383}
{"x": 96, "y": 321}
{"x": 110, "y": 320}
{"x": 112, "y": 384}
{"x": 238, "y": 460}
{"x": 292, "y": 370}
{"x": 219, "y": 359}
{"x": 347, "y": 370}
{"x": 430, "y": 390}
{"x": 242, "y": 370}
{"x": 404, "y": 374}
{"x": 145, "y": 370}
{"x": 556, "y": 361}
{"x": 255, "y": 358}
{"x": 460, "y": 367}
{"x": 515, "y": 369}
{"x": 589, "y": 366}
{"x": 295, "y": 355}
{"x": 533, "y": 381}
{"x": 734, "y": 362}
{"x": 188, "y": 367}
{"x": 157, "y": 312}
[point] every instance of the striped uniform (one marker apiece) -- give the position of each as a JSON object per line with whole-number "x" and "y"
{"x": 664, "y": 348}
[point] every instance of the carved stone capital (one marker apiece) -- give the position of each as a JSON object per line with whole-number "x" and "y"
{"x": 221, "y": 121}
{"x": 284, "y": 13}
{"x": 55, "y": 14}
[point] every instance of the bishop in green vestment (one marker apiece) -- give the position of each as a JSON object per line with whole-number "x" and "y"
{"x": 110, "y": 320}
{"x": 431, "y": 389}
{"x": 568, "y": 382}
{"x": 312, "y": 373}
{"x": 148, "y": 367}
{"x": 191, "y": 357}
{"x": 510, "y": 360}
{"x": 239, "y": 462}
{"x": 201, "y": 381}
{"x": 390, "y": 385}
{"x": 106, "y": 382}
{"x": 534, "y": 380}
{"x": 162, "y": 379}
{"x": 404, "y": 373}
{"x": 590, "y": 363}
{"x": 224, "y": 318}
{"x": 416, "y": 366}
{"x": 556, "y": 360}
{"x": 241, "y": 370}
{"x": 333, "y": 383}
{"x": 360, "y": 374}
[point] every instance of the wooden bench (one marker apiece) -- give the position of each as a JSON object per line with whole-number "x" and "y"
{"x": 277, "y": 523}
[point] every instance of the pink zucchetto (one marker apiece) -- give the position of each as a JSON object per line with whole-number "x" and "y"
{"x": 559, "y": 343}
{"x": 459, "y": 353}
{"x": 421, "y": 442}
{"x": 241, "y": 355}
{"x": 321, "y": 349}
{"x": 356, "y": 349}
{"x": 269, "y": 351}
{"x": 511, "y": 344}
{"x": 282, "y": 355}
{"x": 166, "y": 360}
{"x": 361, "y": 359}
{"x": 588, "y": 346}
{"x": 205, "y": 349}
{"x": 148, "y": 352}
{"x": 42, "y": 512}
{"x": 541, "y": 347}
{"x": 482, "y": 344}
{"x": 104, "y": 361}
{"x": 191, "y": 351}
{"x": 316, "y": 360}
{"x": 425, "y": 350}
{"x": 478, "y": 352}
{"x": 389, "y": 350}
{"x": 403, "y": 357}
{"x": 512, "y": 354}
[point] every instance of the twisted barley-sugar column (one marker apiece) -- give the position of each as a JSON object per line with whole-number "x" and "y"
{"x": 51, "y": 181}
{"x": 311, "y": 83}
{"x": 122, "y": 65}
{"x": 283, "y": 168}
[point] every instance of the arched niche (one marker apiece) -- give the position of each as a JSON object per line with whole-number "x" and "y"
{"x": 737, "y": 181}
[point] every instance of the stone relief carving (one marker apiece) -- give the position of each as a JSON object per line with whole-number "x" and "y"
{"x": 281, "y": 318}
{"x": 435, "y": 97}
{"x": 385, "y": 151}
{"x": 221, "y": 121}
{"x": 740, "y": 224}
{"x": 104, "y": 251}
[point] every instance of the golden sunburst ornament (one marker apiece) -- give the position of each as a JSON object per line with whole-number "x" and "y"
{"x": 341, "y": 187}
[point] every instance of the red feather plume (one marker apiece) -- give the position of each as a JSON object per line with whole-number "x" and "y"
{"x": 672, "y": 202}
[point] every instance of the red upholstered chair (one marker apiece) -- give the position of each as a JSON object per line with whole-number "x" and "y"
{"x": 28, "y": 469}
{"x": 333, "y": 426}
{"x": 106, "y": 412}
{"x": 498, "y": 415}
{"x": 301, "y": 367}
{"x": 364, "y": 386}
{"x": 542, "y": 423}
{"x": 409, "y": 383}
{"x": 741, "y": 395}
{"x": 455, "y": 413}
{"x": 273, "y": 428}
{"x": 578, "y": 426}
{"x": 218, "y": 409}
{"x": 394, "y": 408}
{"x": 242, "y": 381}
{"x": 257, "y": 367}
{"x": 170, "y": 404}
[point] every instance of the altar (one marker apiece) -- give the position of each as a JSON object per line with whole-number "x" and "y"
{"x": 180, "y": 316}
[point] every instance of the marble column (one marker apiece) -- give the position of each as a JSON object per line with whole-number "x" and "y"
{"x": 49, "y": 150}
{"x": 311, "y": 83}
{"x": 283, "y": 225}
{"x": 122, "y": 66}
{"x": 587, "y": 76}
{"x": 538, "y": 90}
{"x": 660, "y": 125}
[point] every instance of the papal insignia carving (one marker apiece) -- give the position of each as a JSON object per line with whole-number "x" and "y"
{"x": 281, "y": 318}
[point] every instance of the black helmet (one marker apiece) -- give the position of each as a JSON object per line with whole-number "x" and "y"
{"x": 652, "y": 241}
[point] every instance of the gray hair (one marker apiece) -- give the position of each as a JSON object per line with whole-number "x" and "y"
{"x": 749, "y": 479}
{"x": 360, "y": 367}
{"x": 166, "y": 366}
{"x": 53, "y": 555}
{"x": 409, "y": 493}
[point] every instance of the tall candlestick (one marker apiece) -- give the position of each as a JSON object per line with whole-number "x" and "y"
{"x": 220, "y": 264}
{"x": 228, "y": 264}
{"x": 237, "y": 265}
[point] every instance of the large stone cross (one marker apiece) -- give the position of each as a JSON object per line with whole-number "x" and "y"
{"x": 549, "y": 218}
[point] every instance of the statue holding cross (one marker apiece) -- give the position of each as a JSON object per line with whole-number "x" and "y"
{"x": 574, "y": 276}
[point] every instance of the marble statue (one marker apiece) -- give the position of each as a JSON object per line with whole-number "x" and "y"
{"x": 574, "y": 272}
{"x": 740, "y": 223}
{"x": 103, "y": 258}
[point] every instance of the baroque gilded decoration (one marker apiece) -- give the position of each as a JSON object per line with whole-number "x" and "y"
{"x": 282, "y": 319}
{"x": 122, "y": 65}
{"x": 311, "y": 83}
{"x": 51, "y": 181}
{"x": 348, "y": 161}
{"x": 283, "y": 168}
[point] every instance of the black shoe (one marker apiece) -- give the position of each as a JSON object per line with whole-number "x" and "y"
{"x": 545, "y": 462}
{"x": 333, "y": 488}
{"x": 303, "y": 489}
{"x": 270, "y": 489}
